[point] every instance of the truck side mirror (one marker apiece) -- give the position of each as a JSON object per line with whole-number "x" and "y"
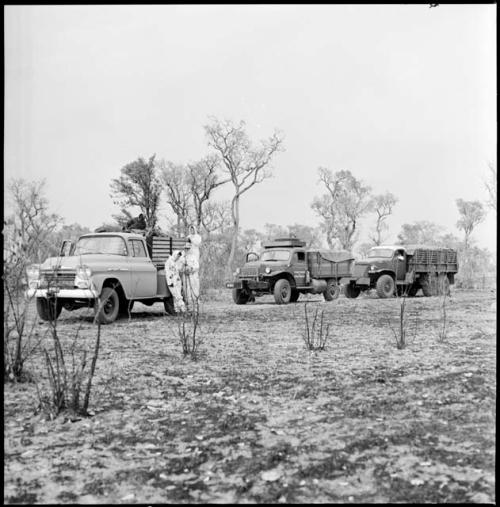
{"x": 65, "y": 248}
{"x": 401, "y": 258}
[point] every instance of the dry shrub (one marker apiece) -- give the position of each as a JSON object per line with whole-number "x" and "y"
{"x": 316, "y": 331}
{"x": 70, "y": 384}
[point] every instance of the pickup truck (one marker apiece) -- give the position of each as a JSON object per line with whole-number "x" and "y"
{"x": 403, "y": 269}
{"x": 108, "y": 271}
{"x": 287, "y": 269}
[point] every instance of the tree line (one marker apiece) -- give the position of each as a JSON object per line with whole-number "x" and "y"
{"x": 188, "y": 190}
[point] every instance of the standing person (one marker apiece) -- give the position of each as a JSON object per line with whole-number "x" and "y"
{"x": 173, "y": 278}
{"x": 192, "y": 267}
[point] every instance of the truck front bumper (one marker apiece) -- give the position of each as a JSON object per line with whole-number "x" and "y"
{"x": 356, "y": 281}
{"x": 63, "y": 293}
{"x": 248, "y": 285}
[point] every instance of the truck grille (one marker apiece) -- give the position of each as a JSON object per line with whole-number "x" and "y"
{"x": 61, "y": 279}
{"x": 249, "y": 272}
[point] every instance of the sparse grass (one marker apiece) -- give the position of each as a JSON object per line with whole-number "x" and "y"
{"x": 357, "y": 420}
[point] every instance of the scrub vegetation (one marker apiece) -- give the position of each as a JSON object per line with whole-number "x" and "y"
{"x": 259, "y": 417}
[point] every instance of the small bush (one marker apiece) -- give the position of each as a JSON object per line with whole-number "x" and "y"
{"x": 69, "y": 385}
{"x": 316, "y": 331}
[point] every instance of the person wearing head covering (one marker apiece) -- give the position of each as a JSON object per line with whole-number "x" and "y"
{"x": 172, "y": 268}
{"x": 192, "y": 267}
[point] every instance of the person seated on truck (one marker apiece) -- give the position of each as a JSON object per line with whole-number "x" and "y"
{"x": 174, "y": 280}
{"x": 136, "y": 223}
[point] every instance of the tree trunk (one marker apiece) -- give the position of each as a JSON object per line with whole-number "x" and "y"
{"x": 235, "y": 212}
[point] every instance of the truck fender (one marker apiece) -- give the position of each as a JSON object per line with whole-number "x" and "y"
{"x": 282, "y": 274}
{"x": 101, "y": 280}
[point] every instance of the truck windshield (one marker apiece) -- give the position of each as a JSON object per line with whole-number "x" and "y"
{"x": 275, "y": 255}
{"x": 381, "y": 252}
{"x": 100, "y": 245}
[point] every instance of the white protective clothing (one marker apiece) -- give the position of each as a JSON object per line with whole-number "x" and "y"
{"x": 191, "y": 269}
{"x": 172, "y": 265}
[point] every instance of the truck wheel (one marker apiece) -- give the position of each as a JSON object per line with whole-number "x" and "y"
{"x": 412, "y": 291}
{"x": 295, "y": 296}
{"x": 168, "y": 304}
{"x": 107, "y": 306}
{"x": 282, "y": 291}
{"x": 126, "y": 306}
{"x": 351, "y": 291}
{"x": 385, "y": 286}
{"x": 428, "y": 285}
{"x": 48, "y": 309}
{"x": 240, "y": 296}
{"x": 332, "y": 290}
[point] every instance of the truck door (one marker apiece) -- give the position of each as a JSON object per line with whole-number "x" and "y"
{"x": 299, "y": 267}
{"x": 400, "y": 264}
{"x": 142, "y": 271}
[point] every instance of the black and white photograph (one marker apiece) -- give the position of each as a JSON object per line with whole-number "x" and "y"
{"x": 250, "y": 253}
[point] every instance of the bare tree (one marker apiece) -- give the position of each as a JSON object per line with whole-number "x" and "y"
{"x": 491, "y": 186}
{"x": 244, "y": 164}
{"x": 138, "y": 186}
{"x": 471, "y": 214}
{"x": 382, "y": 205}
{"x": 346, "y": 201}
{"x": 175, "y": 177}
{"x": 421, "y": 232}
{"x": 216, "y": 216}
{"x": 203, "y": 179}
{"x": 26, "y": 234}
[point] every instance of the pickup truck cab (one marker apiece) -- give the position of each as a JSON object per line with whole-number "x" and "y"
{"x": 108, "y": 271}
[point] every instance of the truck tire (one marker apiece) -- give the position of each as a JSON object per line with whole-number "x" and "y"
{"x": 126, "y": 306}
{"x": 413, "y": 289}
{"x": 332, "y": 290}
{"x": 351, "y": 291}
{"x": 48, "y": 309}
{"x": 240, "y": 296}
{"x": 385, "y": 286}
{"x": 295, "y": 296}
{"x": 282, "y": 291}
{"x": 107, "y": 307}
{"x": 428, "y": 284}
{"x": 168, "y": 304}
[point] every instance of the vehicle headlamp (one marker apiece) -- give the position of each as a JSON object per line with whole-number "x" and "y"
{"x": 83, "y": 272}
{"x": 237, "y": 272}
{"x": 82, "y": 278}
{"x": 268, "y": 270}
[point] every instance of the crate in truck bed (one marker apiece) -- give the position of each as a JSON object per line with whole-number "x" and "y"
{"x": 163, "y": 246}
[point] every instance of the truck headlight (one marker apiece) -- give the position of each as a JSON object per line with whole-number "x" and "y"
{"x": 268, "y": 270}
{"x": 33, "y": 273}
{"x": 373, "y": 268}
{"x": 237, "y": 272}
{"x": 82, "y": 278}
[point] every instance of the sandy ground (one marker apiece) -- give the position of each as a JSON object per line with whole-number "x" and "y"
{"x": 260, "y": 418}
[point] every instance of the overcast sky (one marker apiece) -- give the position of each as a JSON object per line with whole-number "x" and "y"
{"x": 403, "y": 96}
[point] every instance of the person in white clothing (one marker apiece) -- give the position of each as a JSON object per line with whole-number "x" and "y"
{"x": 191, "y": 268}
{"x": 172, "y": 268}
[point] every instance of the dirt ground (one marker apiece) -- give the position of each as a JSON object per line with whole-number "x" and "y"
{"x": 259, "y": 418}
